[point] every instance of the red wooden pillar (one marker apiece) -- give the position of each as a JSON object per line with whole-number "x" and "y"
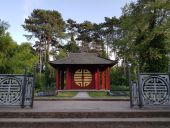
{"x": 103, "y": 80}
{"x": 57, "y": 79}
{"x": 108, "y": 78}
{"x": 97, "y": 79}
{"x": 68, "y": 79}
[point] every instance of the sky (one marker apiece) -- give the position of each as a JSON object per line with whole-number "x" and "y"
{"x": 15, "y": 11}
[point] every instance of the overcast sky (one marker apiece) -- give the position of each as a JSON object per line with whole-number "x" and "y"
{"x": 15, "y": 11}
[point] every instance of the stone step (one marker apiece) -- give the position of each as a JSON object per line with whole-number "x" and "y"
{"x": 113, "y": 114}
{"x": 85, "y": 123}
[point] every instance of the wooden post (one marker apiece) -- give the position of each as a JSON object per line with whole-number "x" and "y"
{"x": 68, "y": 79}
{"x": 103, "y": 80}
{"x": 97, "y": 79}
{"x": 58, "y": 79}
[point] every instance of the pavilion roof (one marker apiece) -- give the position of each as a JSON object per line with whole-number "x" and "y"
{"x": 83, "y": 58}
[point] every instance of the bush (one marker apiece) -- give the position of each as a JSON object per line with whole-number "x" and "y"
{"x": 118, "y": 79}
{"x": 45, "y": 81}
{"x": 39, "y": 82}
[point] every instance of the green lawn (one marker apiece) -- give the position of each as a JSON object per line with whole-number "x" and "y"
{"x": 97, "y": 94}
{"x": 103, "y": 94}
{"x": 62, "y": 94}
{"x": 66, "y": 94}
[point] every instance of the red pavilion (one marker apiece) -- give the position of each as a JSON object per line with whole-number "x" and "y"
{"x": 82, "y": 71}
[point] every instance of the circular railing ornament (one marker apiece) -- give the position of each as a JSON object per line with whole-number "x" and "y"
{"x": 155, "y": 90}
{"x": 10, "y": 90}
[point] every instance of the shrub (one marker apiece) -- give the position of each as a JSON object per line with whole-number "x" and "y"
{"x": 118, "y": 79}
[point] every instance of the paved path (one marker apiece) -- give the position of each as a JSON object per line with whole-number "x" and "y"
{"x": 77, "y": 106}
{"x": 73, "y": 106}
{"x": 82, "y": 95}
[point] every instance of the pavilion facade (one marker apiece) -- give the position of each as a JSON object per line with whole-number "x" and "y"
{"x": 82, "y": 71}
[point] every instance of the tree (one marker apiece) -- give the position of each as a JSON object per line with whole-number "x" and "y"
{"x": 85, "y": 30}
{"x": 71, "y": 32}
{"x": 7, "y": 48}
{"x": 46, "y": 25}
{"x": 144, "y": 38}
{"x": 84, "y": 37}
{"x": 24, "y": 56}
{"x": 110, "y": 32}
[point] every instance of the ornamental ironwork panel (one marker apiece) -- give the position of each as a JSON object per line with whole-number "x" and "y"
{"x": 154, "y": 89}
{"x": 135, "y": 94}
{"x": 29, "y": 90}
{"x": 11, "y": 90}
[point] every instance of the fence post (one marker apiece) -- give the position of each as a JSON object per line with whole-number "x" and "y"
{"x": 24, "y": 88}
{"x": 169, "y": 78}
{"x": 130, "y": 84}
{"x": 139, "y": 87}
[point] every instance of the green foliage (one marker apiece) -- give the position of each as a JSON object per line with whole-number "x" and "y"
{"x": 84, "y": 37}
{"x": 118, "y": 79}
{"x": 44, "y": 23}
{"x": 97, "y": 94}
{"x": 39, "y": 82}
{"x": 7, "y": 49}
{"x": 13, "y": 57}
{"x": 45, "y": 81}
{"x": 24, "y": 56}
{"x": 47, "y": 26}
{"x": 143, "y": 38}
{"x": 72, "y": 47}
{"x": 62, "y": 54}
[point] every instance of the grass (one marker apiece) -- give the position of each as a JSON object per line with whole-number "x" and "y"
{"x": 62, "y": 94}
{"x": 97, "y": 94}
{"x": 66, "y": 94}
{"x": 103, "y": 94}
{"x": 70, "y": 94}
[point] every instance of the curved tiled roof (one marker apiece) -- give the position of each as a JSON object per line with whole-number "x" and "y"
{"x": 83, "y": 58}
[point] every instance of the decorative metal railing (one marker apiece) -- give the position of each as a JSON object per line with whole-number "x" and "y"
{"x": 16, "y": 90}
{"x": 150, "y": 89}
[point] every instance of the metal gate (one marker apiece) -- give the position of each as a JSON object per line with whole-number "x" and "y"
{"x": 150, "y": 89}
{"x": 16, "y": 90}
